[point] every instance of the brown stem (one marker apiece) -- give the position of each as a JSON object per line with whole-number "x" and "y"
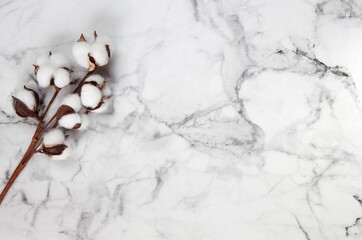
{"x": 32, "y": 147}
{"x": 37, "y": 138}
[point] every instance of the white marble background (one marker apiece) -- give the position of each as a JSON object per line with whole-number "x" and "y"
{"x": 233, "y": 120}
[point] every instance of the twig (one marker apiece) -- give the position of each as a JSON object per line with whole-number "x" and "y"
{"x": 37, "y": 138}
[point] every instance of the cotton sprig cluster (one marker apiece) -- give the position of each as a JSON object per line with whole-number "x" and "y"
{"x": 91, "y": 94}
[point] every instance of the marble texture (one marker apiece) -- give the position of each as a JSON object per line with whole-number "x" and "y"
{"x": 233, "y": 120}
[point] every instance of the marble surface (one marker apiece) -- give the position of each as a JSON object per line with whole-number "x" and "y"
{"x": 233, "y": 120}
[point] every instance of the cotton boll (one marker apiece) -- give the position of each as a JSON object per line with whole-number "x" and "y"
{"x": 99, "y": 53}
{"x": 69, "y": 121}
{"x": 85, "y": 122}
{"x": 26, "y": 97}
{"x": 53, "y": 137}
{"x": 44, "y": 76}
{"x": 80, "y": 53}
{"x": 61, "y": 77}
{"x": 95, "y": 78}
{"x": 90, "y": 96}
{"x": 58, "y": 60}
{"x": 73, "y": 101}
{"x": 42, "y": 60}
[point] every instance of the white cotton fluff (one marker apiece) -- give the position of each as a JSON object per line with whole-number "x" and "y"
{"x": 106, "y": 106}
{"x": 58, "y": 60}
{"x": 61, "y": 77}
{"x": 44, "y": 75}
{"x": 43, "y": 60}
{"x": 70, "y": 120}
{"x": 85, "y": 122}
{"x": 80, "y": 53}
{"x": 106, "y": 91}
{"x": 66, "y": 153}
{"x": 95, "y": 78}
{"x": 73, "y": 101}
{"x": 99, "y": 53}
{"x": 26, "y": 97}
{"x": 53, "y": 137}
{"x": 90, "y": 96}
